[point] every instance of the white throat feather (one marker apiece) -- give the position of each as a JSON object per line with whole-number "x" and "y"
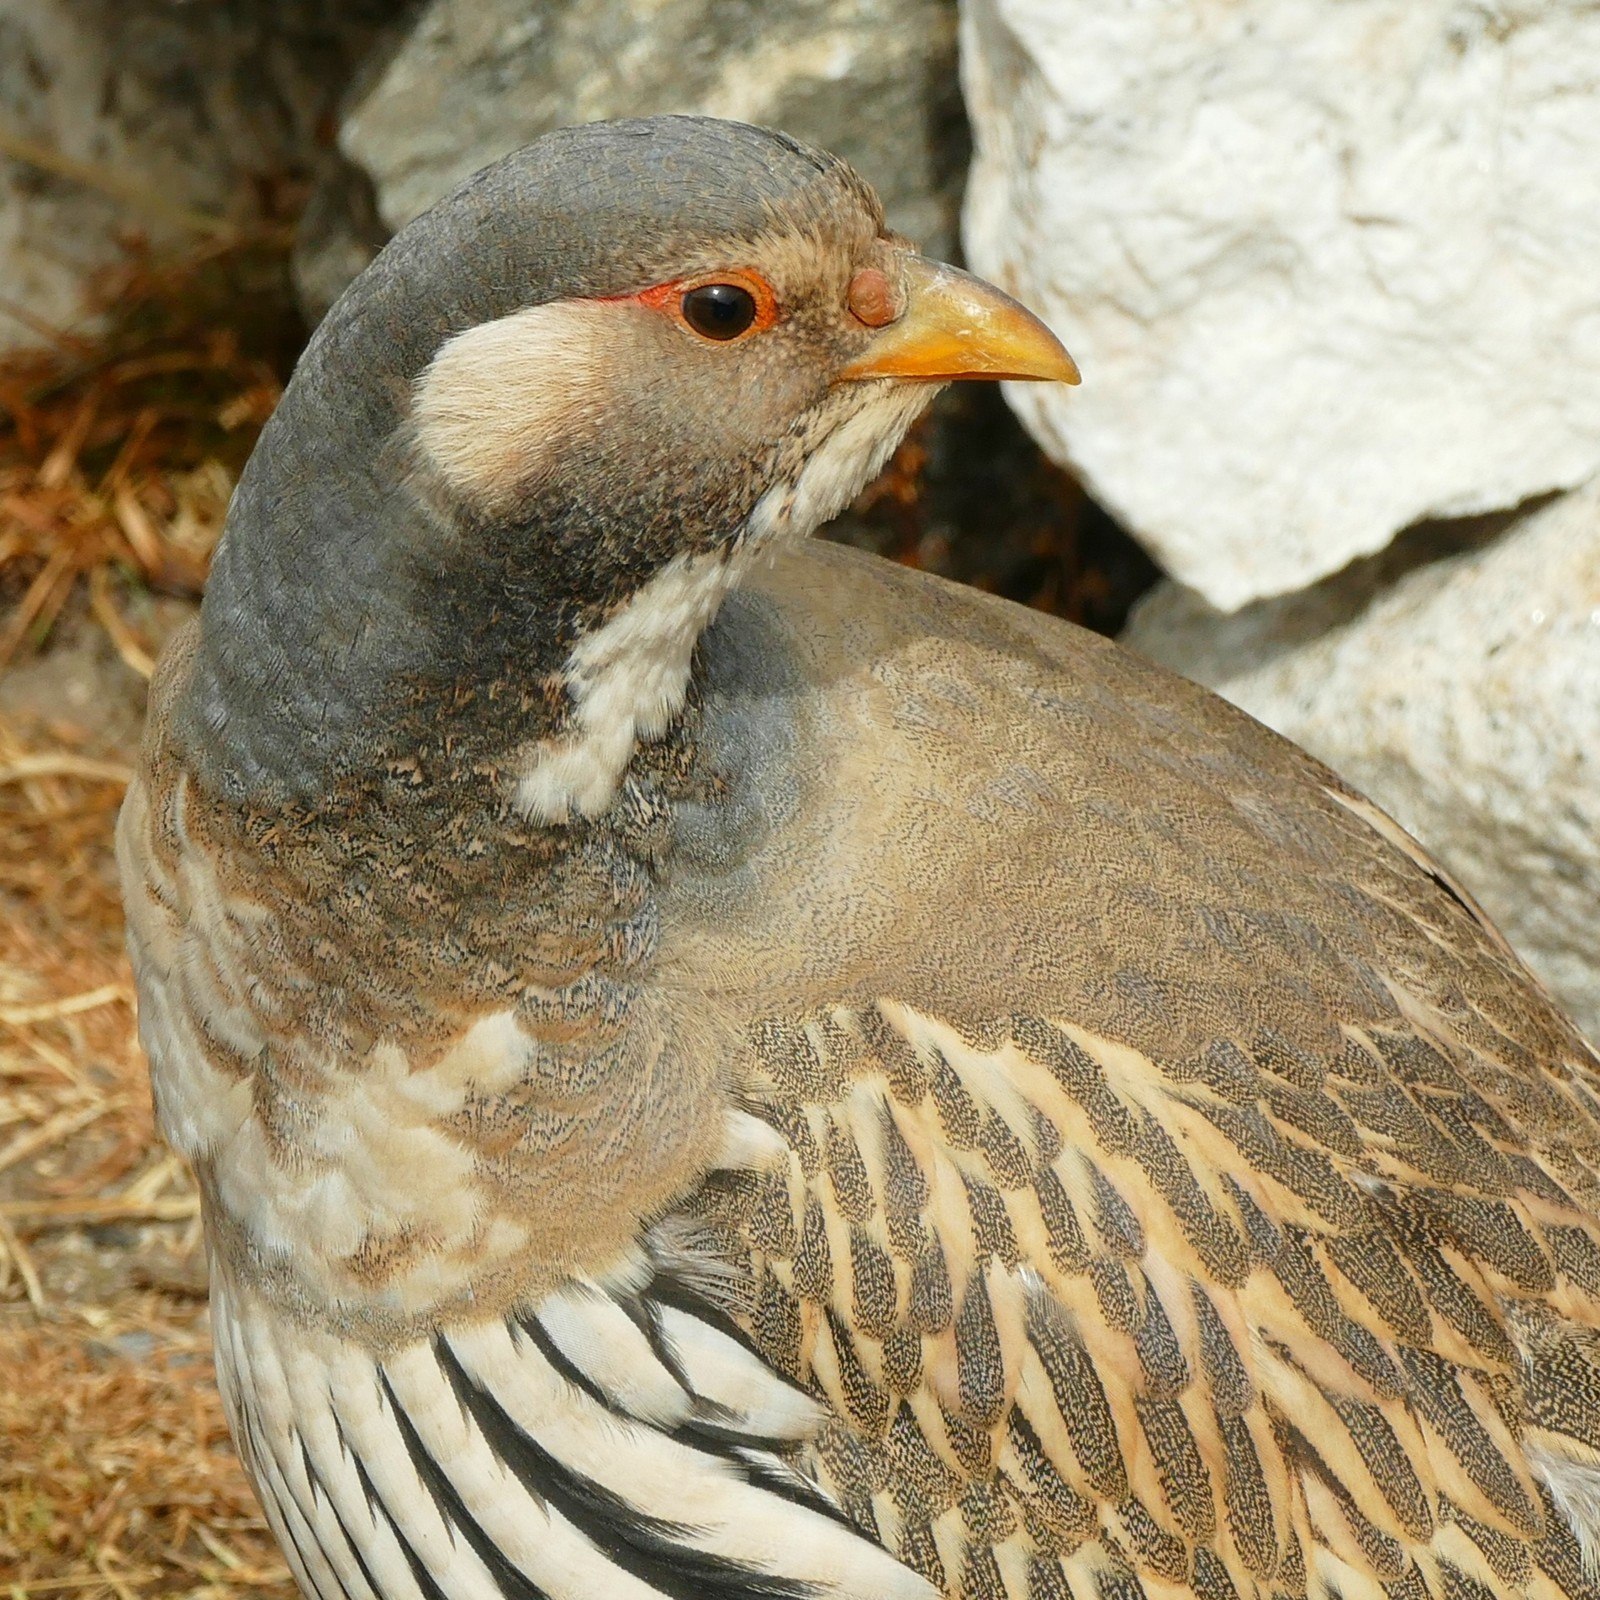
{"x": 629, "y": 678}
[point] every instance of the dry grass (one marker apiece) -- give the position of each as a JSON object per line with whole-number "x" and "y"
{"x": 117, "y": 456}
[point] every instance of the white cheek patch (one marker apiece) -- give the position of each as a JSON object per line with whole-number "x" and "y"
{"x": 491, "y": 400}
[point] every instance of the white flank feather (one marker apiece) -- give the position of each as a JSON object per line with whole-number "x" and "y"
{"x": 503, "y": 1461}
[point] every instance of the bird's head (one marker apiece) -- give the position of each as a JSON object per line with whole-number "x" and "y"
{"x": 720, "y": 340}
{"x": 629, "y": 347}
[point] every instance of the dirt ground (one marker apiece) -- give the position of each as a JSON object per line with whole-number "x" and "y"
{"x": 116, "y": 1474}
{"x": 117, "y": 456}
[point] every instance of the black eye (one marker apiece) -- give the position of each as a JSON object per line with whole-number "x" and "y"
{"x": 719, "y": 310}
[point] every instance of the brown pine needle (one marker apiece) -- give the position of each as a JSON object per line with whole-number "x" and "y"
{"x": 23, "y": 1262}
{"x": 57, "y": 1128}
{"x": 40, "y": 602}
{"x": 63, "y": 764}
{"x": 123, "y": 639}
{"x": 85, "y": 1211}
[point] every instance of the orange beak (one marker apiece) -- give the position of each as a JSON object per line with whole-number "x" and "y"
{"x": 958, "y": 326}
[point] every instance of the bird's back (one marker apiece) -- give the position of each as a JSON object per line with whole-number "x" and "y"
{"x": 1185, "y": 1182}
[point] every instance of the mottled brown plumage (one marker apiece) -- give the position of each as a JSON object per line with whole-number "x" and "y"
{"x": 969, "y": 1093}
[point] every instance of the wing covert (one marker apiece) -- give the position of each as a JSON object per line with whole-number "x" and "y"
{"x": 1250, "y": 1322}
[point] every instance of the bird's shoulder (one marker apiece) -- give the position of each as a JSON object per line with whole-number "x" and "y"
{"x": 928, "y": 791}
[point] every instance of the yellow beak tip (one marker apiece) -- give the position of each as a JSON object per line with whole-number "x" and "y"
{"x": 1065, "y": 371}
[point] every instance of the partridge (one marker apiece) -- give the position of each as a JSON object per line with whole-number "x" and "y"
{"x": 718, "y": 1066}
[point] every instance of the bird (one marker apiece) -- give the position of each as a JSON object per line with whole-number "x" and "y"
{"x": 716, "y": 1065}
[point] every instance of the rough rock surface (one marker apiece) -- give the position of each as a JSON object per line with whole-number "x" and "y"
{"x": 1329, "y": 269}
{"x": 179, "y": 107}
{"x": 1456, "y": 680}
{"x": 874, "y": 80}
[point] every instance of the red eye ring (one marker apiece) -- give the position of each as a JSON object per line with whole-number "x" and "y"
{"x": 669, "y": 298}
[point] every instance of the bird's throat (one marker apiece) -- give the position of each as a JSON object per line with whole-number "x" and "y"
{"x": 627, "y": 680}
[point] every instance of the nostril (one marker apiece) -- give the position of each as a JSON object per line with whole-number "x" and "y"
{"x": 870, "y": 299}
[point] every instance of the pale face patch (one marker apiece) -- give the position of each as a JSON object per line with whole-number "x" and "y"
{"x": 492, "y": 399}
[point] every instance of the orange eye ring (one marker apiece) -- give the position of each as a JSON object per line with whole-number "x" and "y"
{"x": 671, "y": 299}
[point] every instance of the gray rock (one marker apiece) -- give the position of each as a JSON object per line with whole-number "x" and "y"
{"x": 1456, "y": 680}
{"x": 874, "y": 80}
{"x": 143, "y": 111}
{"x": 1329, "y": 269}
{"x": 338, "y": 234}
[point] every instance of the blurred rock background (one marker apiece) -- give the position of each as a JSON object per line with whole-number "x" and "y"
{"x": 470, "y": 80}
{"x": 1331, "y": 273}
{"x": 155, "y": 121}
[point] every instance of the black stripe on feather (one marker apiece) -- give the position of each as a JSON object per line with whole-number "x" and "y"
{"x": 779, "y": 1478}
{"x": 508, "y": 1578}
{"x": 668, "y": 1290}
{"x": 272, "y": 1503}
{"x": 266, "y": 1489}
{"x": 645, "y": 1315}
{"x": 750, "y": 1454}
{"x": 741, "y": 1447}
{"x": 318, "y": 1487}
{"x": 559, "y": 1361}
{"x": 424, "y": 1579}
{"x": 651, "y": 1548}
{"x": 715, "y": 1424}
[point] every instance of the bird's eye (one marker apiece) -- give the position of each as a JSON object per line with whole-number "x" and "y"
{"x": 719, "y": 310}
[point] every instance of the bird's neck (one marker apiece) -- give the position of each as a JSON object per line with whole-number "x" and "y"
{"x": 327, "y": 657}
{"x": 337, "y": 645}
{"x": 357, "y": 618}
{"x": 462, "y": 1010}
{"x": 625, "y": 680}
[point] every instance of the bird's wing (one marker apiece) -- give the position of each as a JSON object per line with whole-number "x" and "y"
{"x": 1095, "y": 1323}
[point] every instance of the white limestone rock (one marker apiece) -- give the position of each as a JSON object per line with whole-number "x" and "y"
{"x": 1456, "y": 680}
{"x": 1329, "y": 269}
{"x": 874, "y": 80}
